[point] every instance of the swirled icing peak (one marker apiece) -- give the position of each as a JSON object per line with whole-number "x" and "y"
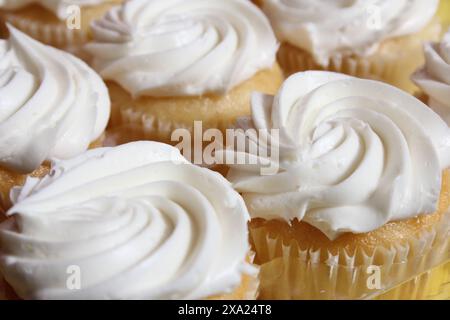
{"x": 58, "y": 7}
{"x": 51, "y": 103}
{"x": 137, "y": 221}
{"x": 434, "y": 77}
{"x": 354, "y": 154}
{"x": 182, "y": 47}
{"x": 326, "y": 28}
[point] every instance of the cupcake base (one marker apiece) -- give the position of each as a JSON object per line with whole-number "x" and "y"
{"x": 154, "y": 118}
{"x": 298, "y": 262}
{"x": 9, "y": 179}
{"x": 394, "y": 62}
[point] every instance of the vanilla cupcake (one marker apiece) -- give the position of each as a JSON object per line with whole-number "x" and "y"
{"x": 361, "y": 187}
{"x": 368, "y": 39}
{"x": 61, "y": 23}
{"x": 170, "y": 63}
{"x": 434, "y": 78}
{"x": 138, "y": 221}
{"x": 52, "y": 105}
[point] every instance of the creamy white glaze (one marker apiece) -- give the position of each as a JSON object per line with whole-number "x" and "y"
{"x": 354, "y": 154}
{"x": 434, "y": 77}
{"x": 182, "y": 47}
{"x": 59, "y": 7}
{"x": 329, "y": 28}
{"x": 51, "y": 103}
{"x": 138, "y": 220}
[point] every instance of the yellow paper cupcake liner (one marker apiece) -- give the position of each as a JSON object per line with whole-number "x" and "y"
{"x": 288, "y": 271}
{"x": 394, "y": 61}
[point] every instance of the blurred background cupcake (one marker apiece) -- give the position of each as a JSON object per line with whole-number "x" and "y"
{"x": 359, "y": 201}
{"x": 51, "y": 105}
{"x": 138, "y": 220}
{"x": 170, "y": 63}
{"x": 434, "y": 77}
{"x": 55, "y": 22}
{"x": 370, "y": 39}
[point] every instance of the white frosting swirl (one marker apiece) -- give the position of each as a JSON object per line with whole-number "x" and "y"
{"x": 328, "y": 28}
{"x": 139, "y": 222}
{"x": 51, "y": 103}
{"x": 182, "y": 47}
{"x": 434, "y": 77}
{"x": 354, "y": 154}
{"x": 59, "y": 7}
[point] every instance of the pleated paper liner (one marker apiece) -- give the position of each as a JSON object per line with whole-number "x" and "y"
{"x": 44, "y": 26}
{"x": 393, "y": 62}
{"x": 289, "y": 271}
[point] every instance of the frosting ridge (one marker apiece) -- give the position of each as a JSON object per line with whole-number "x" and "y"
{"x": 139, "y": 222}
{"x": 182, "y": 48}
{"x": 52, "y": 104}
{"x": 354, "y": 154}
{"x": 328, "y": 28}
{"x": 434, "y": 77}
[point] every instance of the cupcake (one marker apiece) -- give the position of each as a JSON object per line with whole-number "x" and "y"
{"x": 61, "y": 23}
{"x": 369, "y": 39}
{"x": 52, "y": 105}
{"x": 359, "y": 199}
{"x": 138, "y": 221}
{"x": 170, "y": 63}
{"x": 434, "y": 78}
